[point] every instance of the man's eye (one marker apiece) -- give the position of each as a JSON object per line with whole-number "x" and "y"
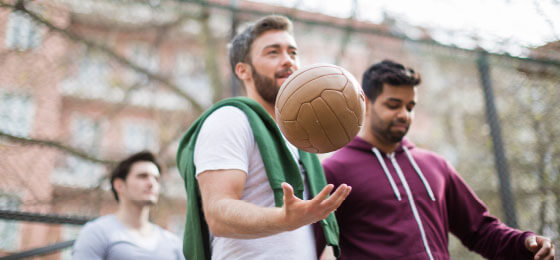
{"x": 272, "y": 52}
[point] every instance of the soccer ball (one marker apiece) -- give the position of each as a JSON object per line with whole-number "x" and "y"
{"x": 320, "y": 108}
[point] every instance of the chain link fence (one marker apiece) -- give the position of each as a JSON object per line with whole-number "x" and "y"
{"x": 85, "y": 83}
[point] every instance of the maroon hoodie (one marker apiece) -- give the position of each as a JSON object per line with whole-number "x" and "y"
{"x": 403, "y": 205}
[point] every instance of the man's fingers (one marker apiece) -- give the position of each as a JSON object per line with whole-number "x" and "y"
{"x": 531, "y": 244}
{"x": 533, "y": 241}
{"x": 543, "y": 253}
{"x": 288, "y": 192}
{"x": 545, "y": 250}
{"x": 343, "y": 197}
{"x": 324, "y": 194}
{"x": 334, "y": 201}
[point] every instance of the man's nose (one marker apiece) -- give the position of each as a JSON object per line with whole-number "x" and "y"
{"x": 153, "y": 181}
{"x": 287, "y": 60}
{"x": 403, "y": 114}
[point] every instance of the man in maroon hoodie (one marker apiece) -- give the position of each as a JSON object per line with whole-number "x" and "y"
{"x": 404, "y": 199}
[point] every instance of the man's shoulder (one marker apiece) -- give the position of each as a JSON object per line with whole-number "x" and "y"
{"x": 226, "y": 118}
{"x": 227, "y": 112}
{"x": 96, "y": 233}
{"x": 432, "y": 160}
{"x": 344, "y": 156}
{"x": 104, "y": 220}
{"x": 425, "y": 154}
{"x": 343, "y": 163}
{"x": 107, "y": 222}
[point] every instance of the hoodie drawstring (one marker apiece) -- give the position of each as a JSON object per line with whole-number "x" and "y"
{"x": 404, "y": 183}
{"x": 412, "y": 204}
{"x": 386, "y": 171}
{"x": 419, "y": 172}
{"x": 416, "y": 169}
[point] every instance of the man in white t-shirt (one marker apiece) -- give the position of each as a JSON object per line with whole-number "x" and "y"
{"x": 237, "y": 200}
{"x": 128, "y": 234}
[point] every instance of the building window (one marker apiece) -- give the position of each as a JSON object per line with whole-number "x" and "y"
{"x": 144, "y": 57}
{"x": 86, "y": 134}
{"x": 76, "y": 171}
{"x": 190, "y": 75}
{"x": 22, "y": 33}
{"x": 91, "y": 79}
{"x": 16, "y": 114}
{"x": 139, "y": 136}
{"x": 9, "y": 240}
{"x": 93, "y": 71}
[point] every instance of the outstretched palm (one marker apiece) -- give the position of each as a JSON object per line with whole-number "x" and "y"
{"x": 298, "y": 212}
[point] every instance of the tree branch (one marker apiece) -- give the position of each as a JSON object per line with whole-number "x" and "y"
{"x": 6, "y": 5}
{"x": 54, "y": 144}
{"x": 120, "y": 59}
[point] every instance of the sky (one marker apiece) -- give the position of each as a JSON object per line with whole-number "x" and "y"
{"x": 504, "y": 26}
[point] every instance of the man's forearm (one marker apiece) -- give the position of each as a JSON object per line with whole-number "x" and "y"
{"x": 239, "y": 219}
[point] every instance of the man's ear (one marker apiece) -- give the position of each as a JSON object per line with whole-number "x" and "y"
{"x": 243, "y": 71}
{"x": 368, "y": 105}
{"x": 119, "y": 185}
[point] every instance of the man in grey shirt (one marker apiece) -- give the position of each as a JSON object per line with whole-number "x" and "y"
{"x": 128, "y": 234}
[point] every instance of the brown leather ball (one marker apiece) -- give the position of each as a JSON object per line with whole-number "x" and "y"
{"x": 320, "y": 108}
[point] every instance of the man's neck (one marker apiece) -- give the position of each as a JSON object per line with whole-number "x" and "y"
{"x": 384, "y": 147}
{"x": 267, "y": 106}
{"x": 134, "y": 216}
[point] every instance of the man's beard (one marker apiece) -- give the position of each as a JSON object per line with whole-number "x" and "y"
{"x": 266, "y": 87}
{"x": 385, "y": 133}
{"x": 394, "y": 137}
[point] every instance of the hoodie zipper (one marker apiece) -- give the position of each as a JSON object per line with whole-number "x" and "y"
{"x": 411, "y": 201}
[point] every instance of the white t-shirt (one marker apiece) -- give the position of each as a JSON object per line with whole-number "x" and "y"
{"x": 107, "y": 238}
{"x": 226, "y": 142}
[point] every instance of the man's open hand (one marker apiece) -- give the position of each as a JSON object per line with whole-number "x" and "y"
{"x": 298, "y": 212}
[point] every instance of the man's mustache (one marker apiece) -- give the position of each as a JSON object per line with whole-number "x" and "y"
{"x": 282, "y": 72}
{"x": 399, "y": 122}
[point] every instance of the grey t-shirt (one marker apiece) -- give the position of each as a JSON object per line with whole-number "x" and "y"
{"x": 107, "y": 238}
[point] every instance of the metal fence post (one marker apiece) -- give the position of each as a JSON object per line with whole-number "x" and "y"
{"x": 508, "y": 201}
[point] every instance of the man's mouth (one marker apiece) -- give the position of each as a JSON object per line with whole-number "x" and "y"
{"x": 399, "y": 127}
{"x": 284, "y": 74}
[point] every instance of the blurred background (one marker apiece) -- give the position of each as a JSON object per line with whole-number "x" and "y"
{"x": 84, "y": 83}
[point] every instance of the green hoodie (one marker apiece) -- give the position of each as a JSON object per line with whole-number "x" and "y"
{"x": 279, "y": 164}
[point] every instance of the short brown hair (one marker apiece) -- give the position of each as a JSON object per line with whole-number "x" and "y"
{"x": 240, "y": 46}
{"x": 123, "y": 168}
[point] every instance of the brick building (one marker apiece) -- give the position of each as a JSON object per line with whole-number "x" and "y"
{"x": 118, "y": 88}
